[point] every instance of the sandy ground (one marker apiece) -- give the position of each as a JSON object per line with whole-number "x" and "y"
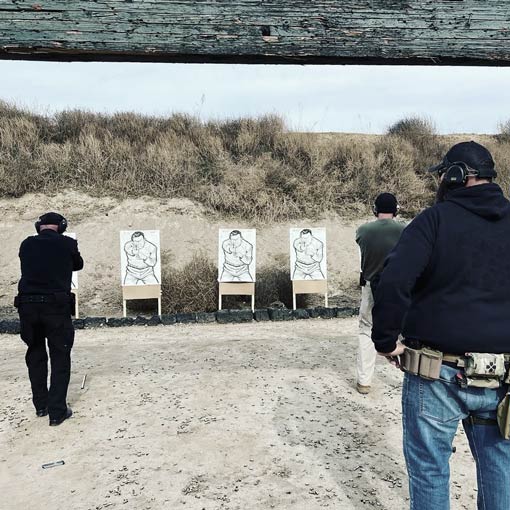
{"x": 185, "y": 229}
{"x": 258, "y": 416}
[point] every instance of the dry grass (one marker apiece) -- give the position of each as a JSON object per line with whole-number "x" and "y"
{"x": 191, "y": 288}
{"x": 195, "y": 287}
{"x": 243, "y": 168}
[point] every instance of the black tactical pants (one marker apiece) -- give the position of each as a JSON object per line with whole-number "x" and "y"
{"x": 51, "y": 321}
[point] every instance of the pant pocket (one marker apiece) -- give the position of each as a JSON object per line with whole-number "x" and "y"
{"x": 27, "y": 332}
{"x": 440, "y": 399}
{"x": 61, "y": 333}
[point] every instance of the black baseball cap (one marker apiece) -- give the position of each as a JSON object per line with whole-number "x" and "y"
{"x": 472, "y": 154}
{"x": 386, "y": 203}
{"x": 51, "y": 218}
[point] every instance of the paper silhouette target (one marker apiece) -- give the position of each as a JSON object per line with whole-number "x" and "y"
{"x": 74, "y": 280}
{"x": 236, "y": 255}
{"x": 308, "y": 254}
{"x": 140, "y": 262}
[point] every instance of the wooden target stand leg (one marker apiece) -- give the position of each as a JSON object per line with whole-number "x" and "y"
{"x": 237, "y": 289}
{"x": 140, "y": 292}
{"x": 309, "y": 287}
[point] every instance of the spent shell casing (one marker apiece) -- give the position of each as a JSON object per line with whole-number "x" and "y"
{"x": 53, "y": 464}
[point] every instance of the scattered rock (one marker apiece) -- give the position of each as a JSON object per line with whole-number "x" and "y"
{"x": 140, "y": 321}
{"x": 261, "y": 315}
{"x": 155, "y": 320}
{"x": 94, "y": 322}
{"x": 345, "y": 311}
{"x": 186, "y": 318}
{"x": 79, "y": 324}
{"x": 234, "y": 316}
{"x": 280, "y": 314}
{"x": 10, "y": 326}
{"x": 168, "y": 319}
{"x": 117, "y": 322}
{"x": 325, "y": 313}
{"x": 206, "y": 317}
{"x": 300, "y": 313}
{"x": 277, "y": 304}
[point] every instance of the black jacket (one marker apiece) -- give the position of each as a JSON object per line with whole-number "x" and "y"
{"x": 47, "y": 263}
{"x": 447, "y": 282}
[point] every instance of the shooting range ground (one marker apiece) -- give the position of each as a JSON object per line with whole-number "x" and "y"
{"x": 257, "y": 416}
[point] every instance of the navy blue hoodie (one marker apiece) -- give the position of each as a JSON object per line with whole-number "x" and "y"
{"x": 447, "y": 281}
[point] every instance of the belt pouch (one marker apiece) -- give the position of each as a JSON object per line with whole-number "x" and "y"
{"x": 411, "y": 362}
{"x": 430, "y": 364}
{"x": 488, "y": 365}
{"x": 503, "y": 416}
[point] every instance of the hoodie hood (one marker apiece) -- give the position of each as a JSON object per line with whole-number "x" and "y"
{"x": 485, "y": 200}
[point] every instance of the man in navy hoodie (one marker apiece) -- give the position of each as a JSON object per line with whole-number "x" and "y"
{"x": 446, "y": 287}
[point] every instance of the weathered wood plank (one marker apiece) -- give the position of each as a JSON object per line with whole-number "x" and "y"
{"x": 302, "y": 31}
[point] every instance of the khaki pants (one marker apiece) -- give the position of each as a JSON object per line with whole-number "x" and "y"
{"x": 366, "y": 350}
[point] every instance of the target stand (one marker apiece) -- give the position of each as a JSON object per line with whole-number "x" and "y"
{"x": 140, "y": 292}
{"x": 309, "y": 287}
{"x": 237, "y": 289}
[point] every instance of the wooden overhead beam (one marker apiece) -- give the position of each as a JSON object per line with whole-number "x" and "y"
{"x": 468, "y": 32}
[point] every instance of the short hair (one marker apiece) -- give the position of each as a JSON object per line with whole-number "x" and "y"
{"x": 137, "y": 234}
{"x": 235, "y": 233}
{"x": 305, "y": 231}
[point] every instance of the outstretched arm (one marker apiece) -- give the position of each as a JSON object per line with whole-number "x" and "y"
{"x": 77, "y": 259}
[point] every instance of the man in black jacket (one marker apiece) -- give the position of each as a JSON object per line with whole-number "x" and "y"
{"x": 446, "y": 287}
{"x": 44, "y": 304}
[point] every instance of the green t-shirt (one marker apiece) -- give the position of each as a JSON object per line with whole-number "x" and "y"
{"x": 376, "y": 239}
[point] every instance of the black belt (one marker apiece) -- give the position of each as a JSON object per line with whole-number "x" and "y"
{"x": 37, "y": 298}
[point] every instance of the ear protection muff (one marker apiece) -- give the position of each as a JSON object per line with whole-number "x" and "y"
{"x": 376, "y": 212}
{"x": 457, "y": 173}
{"x": 62, "y": 225}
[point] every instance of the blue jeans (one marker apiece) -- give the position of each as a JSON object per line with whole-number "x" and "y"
{"x": 431, "y": 411}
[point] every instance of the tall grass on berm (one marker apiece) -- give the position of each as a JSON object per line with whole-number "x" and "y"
{"x": 243, "y": 168}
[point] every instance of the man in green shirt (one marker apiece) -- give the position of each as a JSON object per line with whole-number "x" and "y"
{"x": 375, "y": 239}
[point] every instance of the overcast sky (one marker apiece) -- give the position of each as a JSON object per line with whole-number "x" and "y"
{"x": 311, "y": 98}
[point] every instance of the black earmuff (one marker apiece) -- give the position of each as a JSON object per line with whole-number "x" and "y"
{"x": 376, "y": 212}
{"x": 62, "y": 225}
{"x": 456, "y": 174}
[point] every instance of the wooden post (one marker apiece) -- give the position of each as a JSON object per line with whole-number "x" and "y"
{"x": 237, "y": 289}
{"x": 309, "y": 287}
{"x": 140, "y": 292}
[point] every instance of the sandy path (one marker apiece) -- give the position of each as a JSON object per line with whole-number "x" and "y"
{"x": 212, "y": 417}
